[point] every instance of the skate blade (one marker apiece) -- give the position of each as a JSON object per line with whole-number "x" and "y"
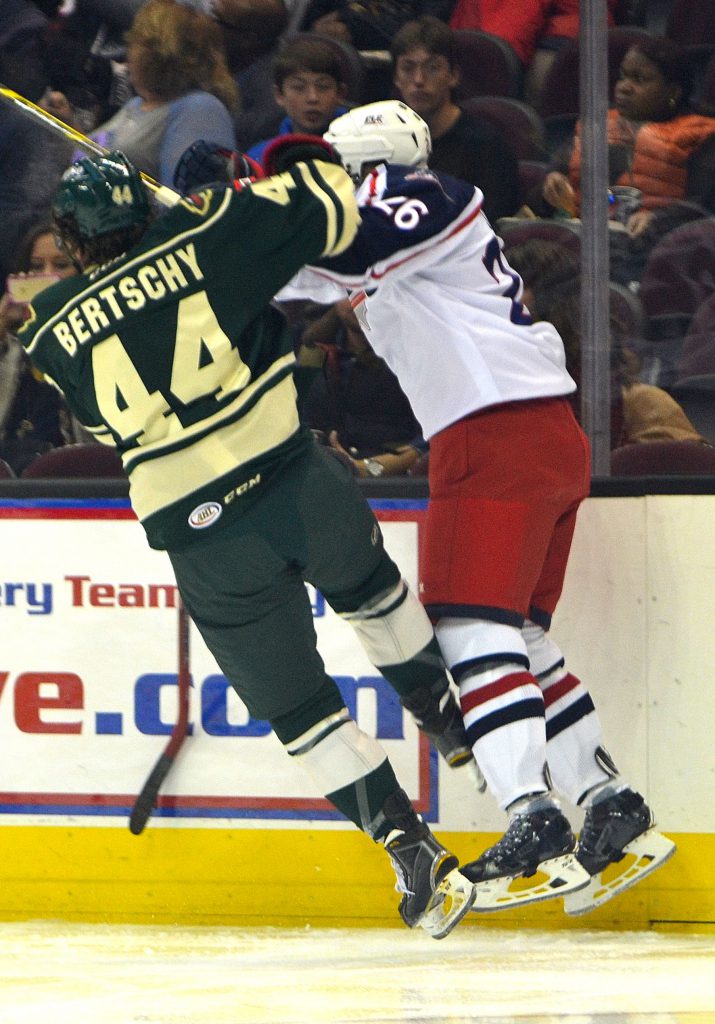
{"x": 452, "y": 899}
{"x": 554, "y": 877}
{"x": 643, "y": 855}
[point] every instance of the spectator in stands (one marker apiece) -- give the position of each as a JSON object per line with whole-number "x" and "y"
{"x": 426, "y": 73}
{"x": 369, "y": 24}
{"x": 560, "y": 27}
{"x": 354, "y": 401}
{"x": 21, "y": 28}
{"x": 639, "y": 412}
{"x": 250, "y": 28}
{"x": 655, "y": 137}
{"x": 31, "y": 160}
{"x": 308, "y": 85}
{"x": 524, "y": 26}
{"x": 178, "y": 68}
{"x": 33, "y": 416}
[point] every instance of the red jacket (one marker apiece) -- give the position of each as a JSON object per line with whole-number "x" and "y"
{"x": 521, "y": 24}
{"x": 659, "y": 154}
{"x": 562, "y": 18}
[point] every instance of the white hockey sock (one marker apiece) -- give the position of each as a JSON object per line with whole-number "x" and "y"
{"x": 576, "y": 759}
{"x": 574, "y": 735}
{"x": 504, "y": 716}
{"x": 502, "y": 705}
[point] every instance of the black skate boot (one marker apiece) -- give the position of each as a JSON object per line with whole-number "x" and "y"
{"x": 435, "y": 895}
{"x": 620, "y": 823}
{"x": 539, "y": 840}
{"x": 439, "y": 717}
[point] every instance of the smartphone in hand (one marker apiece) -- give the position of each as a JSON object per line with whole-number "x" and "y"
{"x": 24, "y": 287}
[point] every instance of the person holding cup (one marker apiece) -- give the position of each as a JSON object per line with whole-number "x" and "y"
{"x": 655, "y": 137}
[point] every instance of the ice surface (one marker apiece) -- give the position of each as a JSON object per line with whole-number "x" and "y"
{"x": 58, "y": 973}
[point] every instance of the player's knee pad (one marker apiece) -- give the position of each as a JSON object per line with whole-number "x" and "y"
{"x": 392, "y": 627}
{"x": 335, "y": 752}
{"x": 474, "y": 645}
{"x": 545, "y": 656}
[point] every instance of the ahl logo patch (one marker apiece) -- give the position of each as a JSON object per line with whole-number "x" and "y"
{"x": 205, "y": 515}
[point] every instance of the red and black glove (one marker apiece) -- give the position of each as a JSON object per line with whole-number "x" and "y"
{"x": 286, "y": 150}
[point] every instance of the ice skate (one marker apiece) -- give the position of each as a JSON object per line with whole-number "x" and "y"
{"x": 617, "y": 830}
{"x": 436, "y": 896}
{"x": 538, "y": 844}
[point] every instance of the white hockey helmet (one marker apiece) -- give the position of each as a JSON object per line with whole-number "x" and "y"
{"x": 388, "y": 130}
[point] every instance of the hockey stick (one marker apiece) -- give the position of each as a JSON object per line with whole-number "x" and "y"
{"x": 162, "y": 193}
{"x": 146, "y": 801}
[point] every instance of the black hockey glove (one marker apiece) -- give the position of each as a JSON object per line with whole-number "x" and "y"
{"x": 205, "y": 163}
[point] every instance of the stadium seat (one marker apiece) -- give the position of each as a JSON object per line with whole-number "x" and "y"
{"x": 626, "y": 313}
{"x": 691, "y": 25}
{"x": 663, "y": 458}
{"x": 698, "y": 353}
{"x": 488, "y": 65}
{"x": 515, "y": 230}
{"x": 691, "y": 22}
{"x": 680, "y": 270}
{"x": 76, "y": 461}
{"x": 655, "y": 16}
{"x": 631, "y": 12}
{"x": 521, "y": 127}
{"x": 677, "y": 278}
{"x": 708, "y": 87}
{"x": 531, "y": 180}
{"x": 697, "y": 397}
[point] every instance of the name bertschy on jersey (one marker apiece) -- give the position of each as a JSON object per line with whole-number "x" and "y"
{"x": 150, "y": 283}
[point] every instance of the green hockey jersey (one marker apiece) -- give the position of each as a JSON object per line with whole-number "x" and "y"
{"x": 173, "y": 353}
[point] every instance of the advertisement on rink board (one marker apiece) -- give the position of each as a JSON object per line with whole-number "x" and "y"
{"x": 88, "y": 683}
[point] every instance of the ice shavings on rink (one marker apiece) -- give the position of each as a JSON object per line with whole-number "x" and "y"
{"x": 58, "y": 973}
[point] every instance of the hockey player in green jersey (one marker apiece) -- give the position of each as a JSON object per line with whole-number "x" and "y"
{"x": 166, "y": 345}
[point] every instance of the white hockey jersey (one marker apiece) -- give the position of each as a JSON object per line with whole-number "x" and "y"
{"x": 437, "y": 299}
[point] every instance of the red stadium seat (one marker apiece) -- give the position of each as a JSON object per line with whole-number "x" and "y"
{"x": 663, "y": 458}
{"x": 488, "y": 65}
{"x": 88, "y": 461}
{"x": 697, "y": 356}
{"x": 521, "y": 127}
{"x": 515, "y": 230}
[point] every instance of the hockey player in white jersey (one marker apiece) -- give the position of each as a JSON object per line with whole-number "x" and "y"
{"x": 509, "y": 466}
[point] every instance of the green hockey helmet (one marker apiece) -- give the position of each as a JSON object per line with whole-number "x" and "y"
{"x": 99, "y": 196}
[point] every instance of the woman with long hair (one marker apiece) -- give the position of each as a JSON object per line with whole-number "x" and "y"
{"x": 184, "y": 89}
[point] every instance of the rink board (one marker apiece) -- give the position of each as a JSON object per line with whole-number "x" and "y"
{"x": 87, "y": 696}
